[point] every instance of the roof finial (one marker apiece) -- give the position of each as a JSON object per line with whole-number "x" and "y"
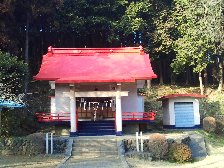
{"x": 141, "y": 50}
{"x": 49, "y": 49}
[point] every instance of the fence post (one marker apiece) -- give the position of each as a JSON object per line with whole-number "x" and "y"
{"x": 51, "y": 143}
{"x": 141, "y": 141}
{"x": 137, "y": 144}
{"x": 46, "y": 143}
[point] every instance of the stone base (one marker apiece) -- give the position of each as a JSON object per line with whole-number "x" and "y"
{"x": 73, "y": 134}
{"x": 174, "y": 127}
{"x": 118, "y": 133}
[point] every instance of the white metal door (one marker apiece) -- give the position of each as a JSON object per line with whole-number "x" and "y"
{"x": 184, "y": 114}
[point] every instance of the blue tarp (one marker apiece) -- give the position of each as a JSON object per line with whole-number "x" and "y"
{"x": 10, "y": 104}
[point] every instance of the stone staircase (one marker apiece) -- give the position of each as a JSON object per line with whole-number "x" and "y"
{"x": 94, "y": 147}
{"x": 94, "y": 152}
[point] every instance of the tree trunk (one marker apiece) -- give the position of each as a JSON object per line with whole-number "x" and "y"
{"x": 220, "y": 74}
{"x": 160, "y": 72}
{"x": 173, "y": 78}
{"x": 206, "y": 77}
{"x": 27, "y": 52}
{"x": 187, "y": 76}
{"x": 201, "y": 84}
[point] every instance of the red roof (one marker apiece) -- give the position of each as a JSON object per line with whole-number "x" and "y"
{"x": 170, "y": 96}
{"x": 78, "y": 65}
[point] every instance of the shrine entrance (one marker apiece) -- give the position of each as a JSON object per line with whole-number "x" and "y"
{"x": 95, "y": 108}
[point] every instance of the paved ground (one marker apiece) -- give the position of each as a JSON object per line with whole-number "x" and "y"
{"x": 40, "y": 161}
{"x": 93, "y": 162}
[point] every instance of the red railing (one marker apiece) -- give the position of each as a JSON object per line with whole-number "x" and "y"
{"x": 132, "y": 116}
{"x": 135, "y": 116}
{"x": 50, "y": 117}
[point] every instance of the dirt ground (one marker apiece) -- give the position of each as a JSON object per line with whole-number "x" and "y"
{"x": 40, "y": 161}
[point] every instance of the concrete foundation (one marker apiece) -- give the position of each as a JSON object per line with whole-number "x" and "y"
{"x": 130, "y": 128}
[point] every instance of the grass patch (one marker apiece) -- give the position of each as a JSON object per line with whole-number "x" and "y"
{"x": 212, "y": 138}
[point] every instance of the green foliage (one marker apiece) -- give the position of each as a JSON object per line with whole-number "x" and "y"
{"x": 180, "y": 153}
{"x": 193, "y": 44}
{"x": 12, "y": 72}
{"x": 213, "y": 105}
{"x": 158, "y": 146}
{"x": 209, "y": 124}
{"x": 135, "y": 18}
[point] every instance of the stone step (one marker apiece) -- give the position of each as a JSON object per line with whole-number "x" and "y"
{"x": 97, "y": 130}
{"x": 94, "y": 144}
{"x": 97, "y": 127}
{"x": 94, "y": 140}
{"x": 94, "y": 148}
{"x": 94, "y": 153}
{"x": 95, "y": 133}
{"x": 93, "y": 156}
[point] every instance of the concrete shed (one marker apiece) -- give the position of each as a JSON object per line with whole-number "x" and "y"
{"x": 181, "y": 111}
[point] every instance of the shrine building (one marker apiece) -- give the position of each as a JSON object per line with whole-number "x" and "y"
{"x": 96, "y": 86}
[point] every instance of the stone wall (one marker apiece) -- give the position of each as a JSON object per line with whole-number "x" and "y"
{"x": 194, "y": 141}
{"x": 33, "y": 144}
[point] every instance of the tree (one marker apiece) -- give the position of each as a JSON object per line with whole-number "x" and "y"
{"x": 7, "y": 27}
{"x": 194, "y": 46}
{"x": 12, "y": 72}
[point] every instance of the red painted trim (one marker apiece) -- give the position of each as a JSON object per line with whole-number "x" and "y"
{"x": 92, "y": 80}
{"x": 170, "y": 96}
{"x": 132, "y": 116}
{"x": 88, "y": 51}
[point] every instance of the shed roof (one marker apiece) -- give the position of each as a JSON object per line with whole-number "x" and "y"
{"x": 83, "y": 65}
{"x": 170, "y": 96}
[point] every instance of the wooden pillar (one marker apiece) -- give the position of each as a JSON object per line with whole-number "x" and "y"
{"x": 148, "y": 84}
{"x": 73, "y": 124}
{"x": 118, "y": 110}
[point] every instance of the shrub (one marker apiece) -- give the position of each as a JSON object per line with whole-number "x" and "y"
{"x": 209, "y": 124}
{"x": 157, "y": 146}
{"x": 219, "y": 127}
{"x": 180, "y": 153}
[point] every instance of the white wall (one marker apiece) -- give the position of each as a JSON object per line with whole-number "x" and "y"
{"x": 53, "y": 107}
{"x": 140, "y": 104}
{"x": 141, "y": 100}
{"x": 182, "y": 99}
{"x": 62, "y": 103}
{"x": 130, "y": 103}
{"x": 166, "y": 113}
